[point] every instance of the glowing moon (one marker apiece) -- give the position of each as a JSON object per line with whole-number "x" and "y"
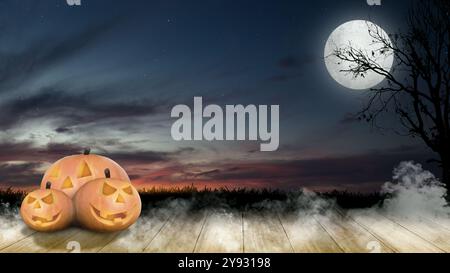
{"x": 356, "y": 34}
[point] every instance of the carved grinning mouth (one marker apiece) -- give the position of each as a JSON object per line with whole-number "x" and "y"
{"x": 114, "y": 218}
{"x": 45, "y": 221}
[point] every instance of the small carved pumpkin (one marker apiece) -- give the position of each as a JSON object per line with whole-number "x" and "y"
{"x": 107, "y": 204}
{"x": 47, "y": 210}
{"x": 70, "y": 173}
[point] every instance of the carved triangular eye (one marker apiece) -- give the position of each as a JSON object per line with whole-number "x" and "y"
{"x": 55, "y": 172}
{"x": 31, "y": 200}
{"x": 108, "y": 190}
{"x": 85, "y": 171}
{"x": 67, "y": 184}
{"x": 48, "y": 199}
{"x": 128, "y": 190}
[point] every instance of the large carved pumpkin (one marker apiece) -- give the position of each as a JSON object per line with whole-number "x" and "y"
{"x": 47, "y": 210}
{"x": 70, "y": 173}
{"x": 107, "y": 204}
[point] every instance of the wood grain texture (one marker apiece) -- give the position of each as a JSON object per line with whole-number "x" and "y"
{"x": 307, "y": 235}
{"x": 255, "y": 232}
{"x": 14, "y": 234}
{"x": 141, "y": 234}
{"x": 263, "y": 232}
{"x": 179, "y": 235}
{"x": 425, "y": 229}
{"x": 222, "y": 232}
{"x": 398, "y": 237}
{"x": 89, "y": 241}
{"x": 351, "y": 236}
{"x": 443, "y": 221}
{"x": 40, "y": 242}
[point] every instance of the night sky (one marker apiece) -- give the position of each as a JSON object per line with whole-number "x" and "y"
{"x": 105, "y": 75}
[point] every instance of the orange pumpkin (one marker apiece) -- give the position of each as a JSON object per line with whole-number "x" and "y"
{"x": 70, "y": 173}
{"x": 47, "y": 210}
{"x": 107, "y": 204}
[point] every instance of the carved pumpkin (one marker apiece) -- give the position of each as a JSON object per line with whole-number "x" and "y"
{"x": 70, "y": 173}
{"x": 47, "y": 210}
{"x": 107, "y": 204}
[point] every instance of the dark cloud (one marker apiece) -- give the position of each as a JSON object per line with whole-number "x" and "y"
{"x": 72, "y": 109}
{"x": 99, "y": 70}
{"x": 367, "y": 170}
{"x": 20, "y": 174}
{"x": 17, "y": 67}
{"x": 26, "y": 151}
{"x": 131, "y": 158}
{"x": 291, "y": 62}
{"x": 359, "y": 172}
{"x": 31, "y": 158}
{"x": 143, "y": 157}
{"x": 61, "y": 102}
{"x": 207, "y": 174}
{"x": 69, "y": 107}
{"x": 63, "y": 130}
{"x": 348, "y": 118}
{"x": 288, "y": 62}
{"x": 285, "y": 77}
{"x": 58, "y": 150}
{"x": 134, "y": 176}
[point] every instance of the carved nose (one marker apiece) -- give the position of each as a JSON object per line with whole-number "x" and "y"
{"x": 120, "y": 199}
{"x": 37, "y": 205}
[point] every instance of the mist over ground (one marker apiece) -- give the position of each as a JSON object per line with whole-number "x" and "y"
{"x": 413, "y": 193}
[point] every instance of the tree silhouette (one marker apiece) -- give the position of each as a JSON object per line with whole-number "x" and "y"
{"x": 417, "y": 87}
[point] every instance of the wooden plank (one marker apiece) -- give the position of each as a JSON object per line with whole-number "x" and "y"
{"x": 40, "y": 242}
{"x": 12, "y": 231}
{"x": 399, "y": 238}
{"x": 307, "y": 235}
{"x": 161, "y": 231}
{"x": 222, "y": 232}
{"x": 263, "y": 232}
{"x": 8, "y": 240}
{"x": 179, "y": 235}
{"x": 88, "y": 241}
{"x": 426, "y": 229}
{"x": 443, "y": 221}
{"x": 140, "y": 235}
{"x": 351, "y": 236}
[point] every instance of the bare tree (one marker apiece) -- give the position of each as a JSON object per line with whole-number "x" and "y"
{"x": 417, "y": 88}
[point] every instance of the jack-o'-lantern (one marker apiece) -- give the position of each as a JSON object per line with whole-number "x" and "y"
{"x": 47, "y": 210}
{"x": 70, "y": 173}
{"x": 107, "y": 204}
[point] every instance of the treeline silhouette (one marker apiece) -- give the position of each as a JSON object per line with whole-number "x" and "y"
{"x": 235, "y": 198}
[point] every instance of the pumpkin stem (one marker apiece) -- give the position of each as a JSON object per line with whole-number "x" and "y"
{"x": 87, "y": 151}
{"x": 48, "y": 185}
{"x": 107, "y": 173}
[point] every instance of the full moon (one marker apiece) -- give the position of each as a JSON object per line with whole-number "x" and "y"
{"x": 355, "y": 34}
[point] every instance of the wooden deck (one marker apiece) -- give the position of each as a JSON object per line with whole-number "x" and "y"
{"x": 235, "y": 232}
